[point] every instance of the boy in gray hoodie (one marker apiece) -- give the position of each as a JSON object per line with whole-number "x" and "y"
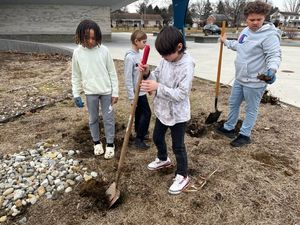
{"x": 131, "y": 70}
{"x": 258, "y": 52}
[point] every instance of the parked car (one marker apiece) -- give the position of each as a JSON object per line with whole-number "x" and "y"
{"x": 211, "y": 29}
{"x": 283, "y": 34}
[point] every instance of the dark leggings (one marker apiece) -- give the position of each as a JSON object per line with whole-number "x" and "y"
{"x": 142, "y": 117}
{"x": 178, "y": 146}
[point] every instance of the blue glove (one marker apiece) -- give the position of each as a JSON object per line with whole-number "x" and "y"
{"x": 78, "y": 102}
{"x": 271, "y": 75}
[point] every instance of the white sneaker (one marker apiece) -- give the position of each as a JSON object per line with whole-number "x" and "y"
{"x": 180, "y": 182}
{"x": 159, "y": 164}
{"x": 98, "y": 149}
{"x": 109, "y": 152}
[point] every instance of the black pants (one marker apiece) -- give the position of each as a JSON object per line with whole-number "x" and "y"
{"x": 142, "y": 117}
{"x": 178, "y": 146}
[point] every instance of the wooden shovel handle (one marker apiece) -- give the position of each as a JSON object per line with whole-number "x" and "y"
{"x": 220, "y": 61}
{"x": 132, "y": 113}
{"x": 128, "y": 128}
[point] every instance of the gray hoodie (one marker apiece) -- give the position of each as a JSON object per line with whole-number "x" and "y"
{"x": 256, "y": 53}
{"x": 171, "y": 101}
{"x": 131, "y": 71}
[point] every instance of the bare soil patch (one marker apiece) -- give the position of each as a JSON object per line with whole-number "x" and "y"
{"x": 256, "y": 184}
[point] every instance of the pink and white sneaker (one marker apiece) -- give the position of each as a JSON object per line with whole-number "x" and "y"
{"x": 159, "y": 164}
{"x": 179, "y": 184}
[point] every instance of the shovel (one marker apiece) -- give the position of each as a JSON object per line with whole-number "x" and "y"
{"x": 213, "y": 117}
{"x": 113, "y": 192}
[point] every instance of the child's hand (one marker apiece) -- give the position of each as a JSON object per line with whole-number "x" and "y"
{"x": 114, "y": 100}
{"x": 144, "y": 69}
{"x": 149, "y": 85}
{"x": 223, "y": 38}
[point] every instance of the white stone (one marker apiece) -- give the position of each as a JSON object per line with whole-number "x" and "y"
{"x": 87, "y": 177}
{"x": 94, "y": 174}
{"x": 23, "y": 220}
{"x": 45, "y": 183}
{"x": 68, "y": 189}
{"x": 60, "y": 188}
{"x": 32, "y": 200}
{"x": 19, "y": 194}
{"x": 8, "y": 191}
{"x": 71, "y": 152}
{"x": 59, "y": 156}
{"x": 3, "y": 219}
{"x": 71, "y": 182}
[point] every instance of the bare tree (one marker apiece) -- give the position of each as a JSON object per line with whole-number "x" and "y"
{"x": 167, "y": 14}
{"x": 207, "y": 9}
{"x": 141, "y": 6}
{"x": 220, "y": 8}
{"x": 197, "y": 9}
{"x": 234, "y": 10}
{"x": 292, "y": 6}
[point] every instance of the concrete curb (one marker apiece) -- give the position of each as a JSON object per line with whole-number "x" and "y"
{"x": 30, "y": 47}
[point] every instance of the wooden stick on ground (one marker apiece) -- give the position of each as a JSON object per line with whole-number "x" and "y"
{"x": 207, "y": 178}
{"x": 193, "y": 188}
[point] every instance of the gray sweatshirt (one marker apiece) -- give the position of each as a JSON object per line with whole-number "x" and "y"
{"x": 131, "y": 71}
{"x": 256, "y": 53}
{"x": 171, "y": 101}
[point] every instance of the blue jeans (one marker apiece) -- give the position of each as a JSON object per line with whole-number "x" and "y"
{"x": 252, "y": 97}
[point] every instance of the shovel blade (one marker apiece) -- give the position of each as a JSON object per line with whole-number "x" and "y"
{"x": 113, "y": 194}
{"x": 213, "y": 117}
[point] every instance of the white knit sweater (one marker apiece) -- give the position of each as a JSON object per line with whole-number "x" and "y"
{"x": 93, "y": 71}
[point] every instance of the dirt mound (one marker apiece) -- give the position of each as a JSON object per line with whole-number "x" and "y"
{"x": 95, "y": 191}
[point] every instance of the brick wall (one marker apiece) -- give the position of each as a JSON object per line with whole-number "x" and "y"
{"x": 52, "y": 21}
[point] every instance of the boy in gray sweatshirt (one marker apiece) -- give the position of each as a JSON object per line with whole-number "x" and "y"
{"x": 258, "y": 52}
{"x": 131, "y": 71}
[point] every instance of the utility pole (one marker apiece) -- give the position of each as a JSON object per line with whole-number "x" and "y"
{"x": 145, "y": 11}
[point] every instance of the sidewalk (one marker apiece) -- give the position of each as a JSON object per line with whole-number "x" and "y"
{"x": 206, "y": 57}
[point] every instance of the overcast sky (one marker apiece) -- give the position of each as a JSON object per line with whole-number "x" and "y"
{"x": 132, "y": 7}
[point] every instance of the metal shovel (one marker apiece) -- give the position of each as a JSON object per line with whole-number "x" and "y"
{"x": 213, "y": 117}
{"x": 113, "y": 192}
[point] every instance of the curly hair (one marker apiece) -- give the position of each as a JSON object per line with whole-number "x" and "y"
{"x": 257, "y": 7}
{"x": 82, "y": 32}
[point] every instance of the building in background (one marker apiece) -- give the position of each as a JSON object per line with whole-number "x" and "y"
{"x": 54, "y": 20}
{"x": 120, "y": 19}
{"x": 218, "y": 19}
{"x": 287, "y": 19}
